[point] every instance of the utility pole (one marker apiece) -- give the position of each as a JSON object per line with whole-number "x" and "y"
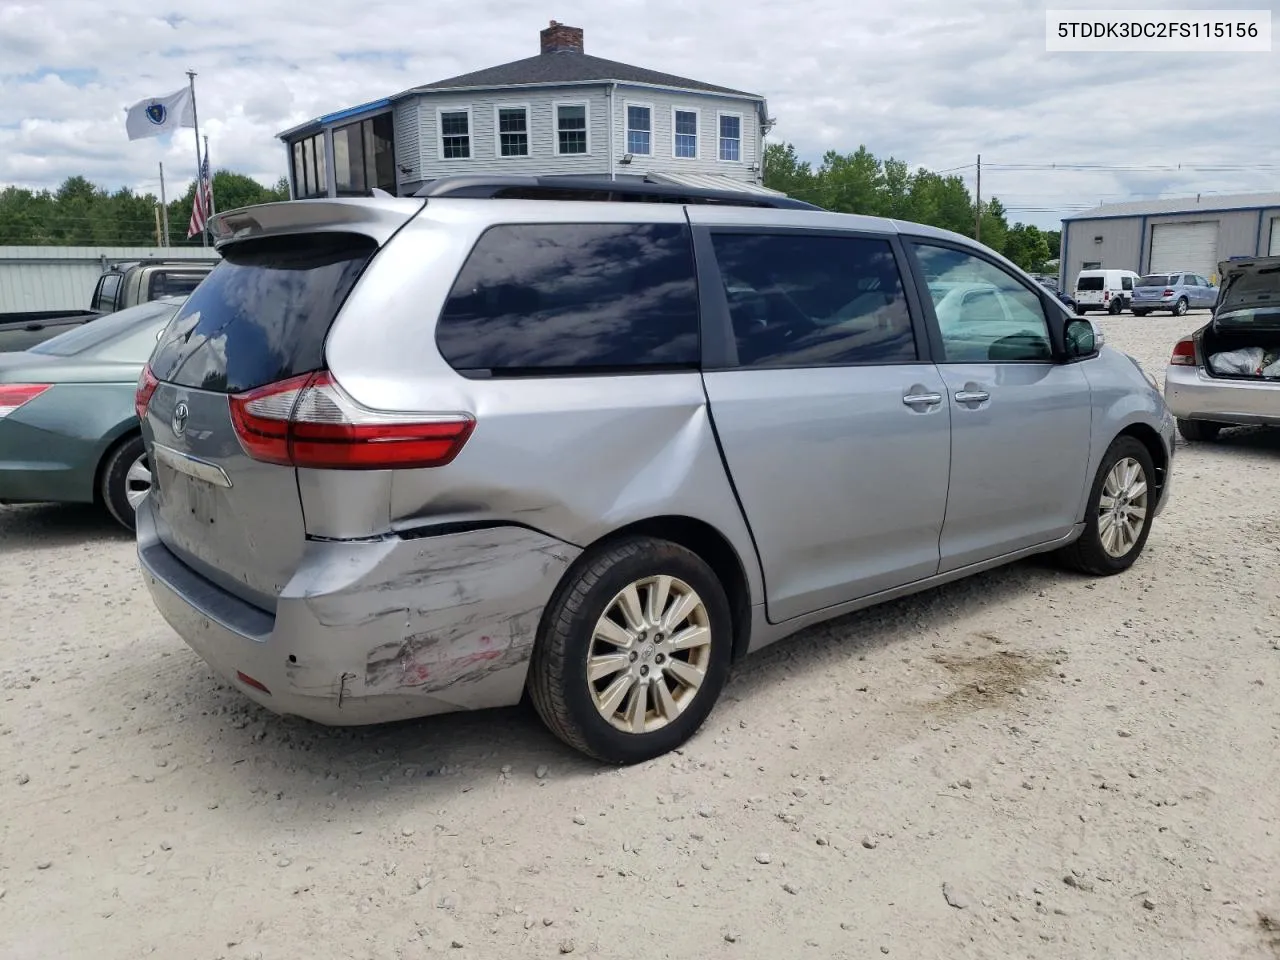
{"x": 158, "y": 241}
{"x": 977, "y": 222}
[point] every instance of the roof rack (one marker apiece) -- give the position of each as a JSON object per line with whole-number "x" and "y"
{"x": 598, "y": 189}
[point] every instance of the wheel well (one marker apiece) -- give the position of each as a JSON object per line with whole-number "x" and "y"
{"x": 1151, "y": 440}
{"x": 709, "y": 544}
{"x": 103, "y": 460}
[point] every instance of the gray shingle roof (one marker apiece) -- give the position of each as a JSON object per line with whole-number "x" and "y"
{"x": 551, "y": 68}
{"x": 1207, "y": 201}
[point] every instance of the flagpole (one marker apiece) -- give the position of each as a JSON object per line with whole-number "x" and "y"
{"x": 195, "y": 122}
{"x": 208, "y": 225}
{"x": 164, "y": 208}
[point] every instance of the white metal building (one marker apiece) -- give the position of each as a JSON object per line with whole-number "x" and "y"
{"x": 560, "y": 113}
{"x": 63, "y": 278}
{"x": 1168, "y": 236}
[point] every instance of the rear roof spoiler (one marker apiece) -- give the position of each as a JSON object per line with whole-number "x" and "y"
{"x": 598, "y": 189}
{"x": 375, "y": 217}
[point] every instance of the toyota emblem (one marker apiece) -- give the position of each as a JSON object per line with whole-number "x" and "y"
{"x": 180, "y": 414}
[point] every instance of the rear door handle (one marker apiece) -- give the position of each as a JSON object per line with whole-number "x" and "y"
{"x": 922, "y": 399}
{"x": 972, "y": 396}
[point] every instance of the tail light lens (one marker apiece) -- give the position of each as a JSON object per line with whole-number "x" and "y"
{"x": 147, "y": 384}
{"x": 310, "y": 421}
{"x": 15, "y": 395}
{"x": 1167, "y": 293}
{"x": 1106, "y": 294}
{"x": 1184, "y": 353}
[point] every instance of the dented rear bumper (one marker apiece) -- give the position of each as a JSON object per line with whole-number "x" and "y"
{"x": 373, "y": 631}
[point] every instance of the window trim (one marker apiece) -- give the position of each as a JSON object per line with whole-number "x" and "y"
{"x": 555, "y": 125}
{"x": 471, "y": 133}
{"x": 626, "y": 126}
{"x": 719, "y": 343}
{"x": 497, "y": 131}
{"x": 1055, "y": 318}
{"x": 741, "y": 135}
{"x": 697, "y": 137}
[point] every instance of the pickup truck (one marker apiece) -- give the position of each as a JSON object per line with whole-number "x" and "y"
{"x": 121, "y": 285}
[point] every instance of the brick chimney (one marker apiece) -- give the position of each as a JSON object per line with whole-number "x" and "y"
{"x": 559, "y": 38}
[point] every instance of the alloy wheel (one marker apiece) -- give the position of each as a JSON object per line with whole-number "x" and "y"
{"x": 649, "y": 654}
{"x": 1122, "y": 507}
{"x": 137, "y": 482}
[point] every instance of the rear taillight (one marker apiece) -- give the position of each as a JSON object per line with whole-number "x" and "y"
{"x": 1167, "y": 293}
{"x": 1106, "y": 294}
{"x": 310, "y": 421}
{"x": 147, "y": 384}
{"x": 14, "y": 395}
{"x": 1184, "y": 353}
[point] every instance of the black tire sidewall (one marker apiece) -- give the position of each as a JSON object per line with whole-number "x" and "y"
{"x": 114, "y": 476}
{"x": 1121, "y": 448}
{"x": 656, "y": 557}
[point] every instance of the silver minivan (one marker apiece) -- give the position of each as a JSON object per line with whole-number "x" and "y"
{"x": 415, "y": 455}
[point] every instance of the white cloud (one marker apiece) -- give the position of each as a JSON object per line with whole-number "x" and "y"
{"x": 928, "y": 81}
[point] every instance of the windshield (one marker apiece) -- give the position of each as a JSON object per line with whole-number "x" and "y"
{"x": 104, "y": 331}
{"x": 1155, "y": 280}
{"x": 1089, "y": 283}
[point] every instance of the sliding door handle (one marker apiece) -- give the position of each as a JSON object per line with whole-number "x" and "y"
{"x": 972, "y": 396}
{"x": 922, "y": 399}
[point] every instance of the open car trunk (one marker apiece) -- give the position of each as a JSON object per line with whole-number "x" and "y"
{"x": 1243, "y": 340}
{"x": 1241, "y": 353}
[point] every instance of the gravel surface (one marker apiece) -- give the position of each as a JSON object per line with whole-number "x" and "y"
{"x": 1025, "y": 764}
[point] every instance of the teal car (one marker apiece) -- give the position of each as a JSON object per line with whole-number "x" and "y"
{"x": 69, "y": 432}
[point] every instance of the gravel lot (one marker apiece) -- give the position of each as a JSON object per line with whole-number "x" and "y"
{"x": 1026, "y": 764}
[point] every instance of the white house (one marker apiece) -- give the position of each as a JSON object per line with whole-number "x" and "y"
{"x": 560, "y": 113}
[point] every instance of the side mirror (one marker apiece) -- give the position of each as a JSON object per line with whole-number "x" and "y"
{"x": 1083, "y": 339}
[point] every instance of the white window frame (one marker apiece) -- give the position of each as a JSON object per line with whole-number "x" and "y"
{"x": 742, "y": 136}
{"x": 626, "y": 126}
{"x": 697, "y": 139}
{"x": 471, "y": 133}
{"x": 555, "y": 124}
{"x": 497, "y": 131}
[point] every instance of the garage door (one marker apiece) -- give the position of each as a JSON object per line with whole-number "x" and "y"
{"x": 1189, "y": 247}
{"x": 1274, "y": 249}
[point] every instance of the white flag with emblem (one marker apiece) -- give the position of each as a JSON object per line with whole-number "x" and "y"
{"x": 156, "y": 116}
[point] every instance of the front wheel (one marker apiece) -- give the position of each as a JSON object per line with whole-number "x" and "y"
{"x": 633, "y": 650}
{"x": 1198, "y": 431}
{"x": 1121, "y": 506}
{"x": 125, "y": 481}
{"x": 1180, "y": 308}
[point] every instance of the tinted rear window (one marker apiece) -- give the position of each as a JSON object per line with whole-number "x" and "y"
{"x": 1154, "y": 280}
{"x": 538, "y": 299}
{"x": 173, "y": 284}
{"x": 263, "y": 314}
{"x": 1089, "y": 283}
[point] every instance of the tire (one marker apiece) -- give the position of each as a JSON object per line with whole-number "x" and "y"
{"x": 1140, "y": 313}
{"x": 1089, "y": 554}
{"x": 1199, "y": 431}
{"x": 1081, "y": 311}
{"x": 120, "y": 478}
{"x": 1116, "y": 308}
{"x": 1180, "y": 308}
{"x": 566, "y": 699}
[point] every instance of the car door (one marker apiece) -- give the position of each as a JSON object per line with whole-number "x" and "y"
{"x": 1206, "y": 294}
{"x": 831, "y": 418}
{"x": 1020, "y": 420}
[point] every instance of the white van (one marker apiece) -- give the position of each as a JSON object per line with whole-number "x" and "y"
{"x": 1110, "y": 290}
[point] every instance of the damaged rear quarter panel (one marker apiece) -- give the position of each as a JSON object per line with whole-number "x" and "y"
{"x": 452, "y": 617}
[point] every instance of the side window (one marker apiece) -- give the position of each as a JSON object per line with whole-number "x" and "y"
{"x": 1126, "y": 283}
{"x": 814, "y": 301}
{"x": 164, "y": 284}
{"x": 984, "y": 313}
{"x": 105, "y": 297}
{"x": 574, "y": 297}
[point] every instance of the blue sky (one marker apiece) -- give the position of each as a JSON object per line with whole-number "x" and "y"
{"x": 929, "y": 81}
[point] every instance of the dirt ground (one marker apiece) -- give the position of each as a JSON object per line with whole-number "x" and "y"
{"x": 1026, "y": 764}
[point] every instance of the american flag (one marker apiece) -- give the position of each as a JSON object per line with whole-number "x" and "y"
{"x": 203, "y": 202}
